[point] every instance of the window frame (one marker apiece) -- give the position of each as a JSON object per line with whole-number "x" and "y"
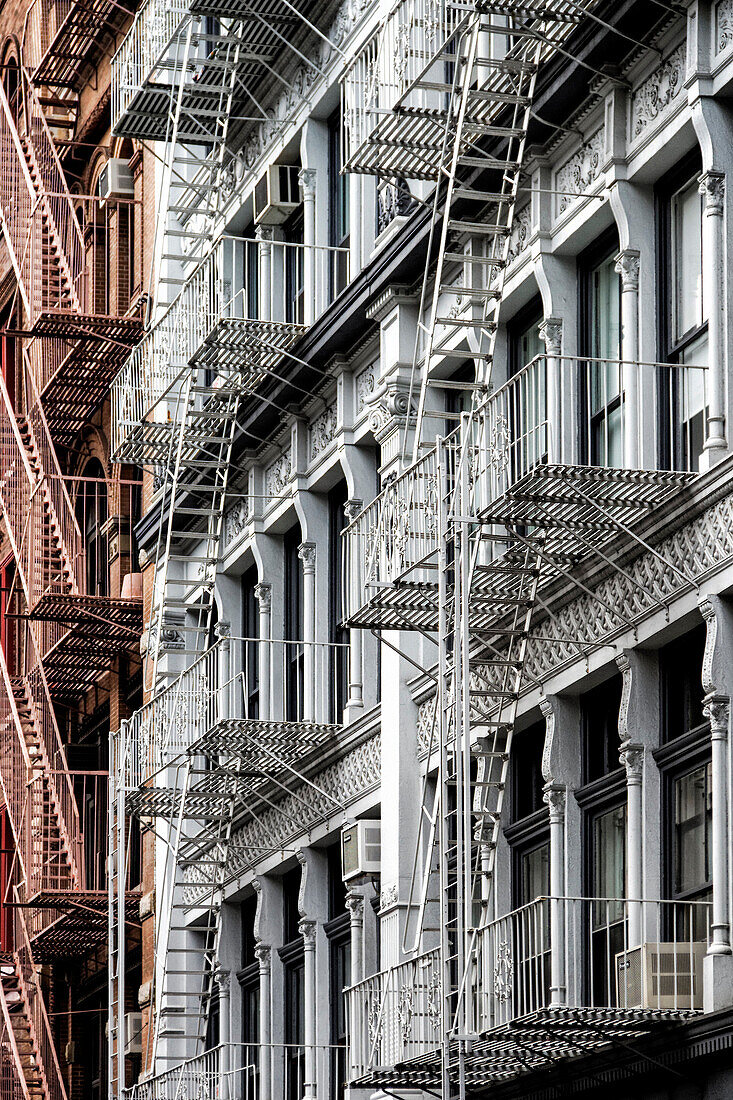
{"x": 602, "y": 250}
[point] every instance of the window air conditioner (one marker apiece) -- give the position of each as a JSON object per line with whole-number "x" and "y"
{"x": 277, "y": 194}
{"x": 115, "y": 180}
{"x": 660, "y": 975}
{"x": 360, "y": 850}
{"x": 133, "y": 1033}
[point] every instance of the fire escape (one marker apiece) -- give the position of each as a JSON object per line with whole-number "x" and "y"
{"x": 460, "y": 546}
{"x": 69, "y": 613}
{"x": 223, "y": 331}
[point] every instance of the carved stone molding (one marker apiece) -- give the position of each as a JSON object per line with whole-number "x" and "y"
{"x": 624, "y": 667}
{"x": 388, "y": 897}
{"x": 712, "y": 188}
{"x": 365, "y": 383}
{"x": 627, "y": 266}
{"x": 548, "y": 712}
{"x": 263, "y": 954}
{"x": 723, "y": 24}
{"x": 352, "y": 508}
{"x": 389, "y": 408}
{"x": 716, "y": 709}
{"x": 277, "y": 474}
{"x": 355, "y": 905}
{"x": 323, "y": 431}
{"x": 223, "y": 978}
{"x": 307, "y": 178}
{"x": 655, "y": 94}
{"x": 235, "y": 520}
{"x": 551, "y": 335}
{"x": 520, "y": 234}
{"x": 579, "y": 171}
{"x": 707, "y": 610}
{"x": 555, "y": 795}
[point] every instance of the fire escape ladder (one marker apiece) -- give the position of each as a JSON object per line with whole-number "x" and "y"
{"x": 19, "y": 1033}
{"x": 197, "y": 472}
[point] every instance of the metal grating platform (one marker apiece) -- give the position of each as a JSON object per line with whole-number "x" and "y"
{"x": 576, "y": 508}
{"x": 245, "y": 738}
{"x": 80, "y": 924}
{"x": 246, "y": 348}
{"x": 89, "y": 30}
{"x": 531, "y": 1043}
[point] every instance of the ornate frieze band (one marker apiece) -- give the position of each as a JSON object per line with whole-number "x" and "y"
{"x": 655, "y": 94}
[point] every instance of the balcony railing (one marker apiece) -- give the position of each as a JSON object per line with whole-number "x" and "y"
{"x": 555, "y": 953}
{"x": 400, "y": 51}
{"x": 561, "y": 410}
{"x": 247, "y": 678}
{"x": 245, "y": 303}
{"x": 145, "y": 46}
{"x": 247, "y": 1071}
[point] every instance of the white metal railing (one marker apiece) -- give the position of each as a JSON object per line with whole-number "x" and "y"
{"x": 400, "y": 51}
{"x": 561, "y": 410}
{"x": 240, "y": 279}
{"x": 253, "y": 678}
{"x": 573, "y": 952}
{"x": 242, "y": 1071}
{"x": 143, "y": 47}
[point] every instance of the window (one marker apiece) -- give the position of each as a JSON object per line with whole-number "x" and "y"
{"x": 91, "y": 514}
{"x": 249, "y": 980}
{"x": 294, "y": 269}
{"x": 527, "y": 399}
{"x": 338, "y": 933}
{"x": 600, "y": 338}
{"x": 683, "y": 313}
{"x": 338, "y": 205}
{"x": 339, "y": 658}
{"x": 527, "y": 781}
{"x": 692, "y": 834}
{"x": 291, "y": 955}
{"x": 293, "y": 626}
{"x": 599, "y": 710}
{"x": 608, "y": 888}
{"x": 535, "y": 873}
{"x": 250, "y": 631}
{"x": 680, "y": 665}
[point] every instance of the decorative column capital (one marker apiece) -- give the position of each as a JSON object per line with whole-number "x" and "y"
{"x": 307, "y": 554}
{"x": 627, "y": 266}
{"x": 263, "y": 595}
{"x": 307, "y": 178}
{"x": 631, "y": 756}
{"x": 551, "y": 334}
{"x": 355, "y": 905}
{"x": 223, "y": 978}
{"x": 223, "y": 630}
{"x": 555, "y": 796}
{"x": 265, "y": 233}
{"x": 716, "y": 709}
{"x": 712, "y": 188}
{"x": 352, "y": 508}
{"x": 307, "y": 929}
{"x": 263, "y": 953}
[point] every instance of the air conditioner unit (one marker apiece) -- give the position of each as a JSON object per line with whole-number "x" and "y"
{"x": 115, "y": 180}
{"x": 360, "y": 850}
{"x": 277, "y": 194}
{"x": 133, "y": 1033}
{"x": 660, "y": 975}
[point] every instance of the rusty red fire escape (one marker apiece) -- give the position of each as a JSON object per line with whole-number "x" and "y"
{"x": 70, "y": 603}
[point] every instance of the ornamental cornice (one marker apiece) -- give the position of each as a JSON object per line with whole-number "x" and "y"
{"x": 655, "y": 94}
{"x": 579, "y": 171}
{"x": 395, "y": 294}
{"x": 322, "y": 431}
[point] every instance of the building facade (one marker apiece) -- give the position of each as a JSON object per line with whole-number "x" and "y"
{"x": 433, "y": 409}
{"x": 72, "y": 305}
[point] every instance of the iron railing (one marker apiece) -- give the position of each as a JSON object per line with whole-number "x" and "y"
{"x": 580, "y": 953}
{"x": 556, "y": 410}
{"x": 143, "y": 47}
{"x": 258, "y": 679}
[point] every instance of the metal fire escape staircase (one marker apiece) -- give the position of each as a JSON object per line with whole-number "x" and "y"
{"x": 455, "y": 547}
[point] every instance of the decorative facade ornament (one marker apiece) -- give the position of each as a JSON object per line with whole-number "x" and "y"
{"x": 263, "y": 595}
{"x": 627, "y": 266}
{"x": 375, "y": 1021}
{"x": 503, "y": 971}
{"x": 548, "y": 713}
{"x": 579, "y": 171}
{"x": 555, "y": 797}
{"x": 716, "y": 709}
{"x": 307, "y": 929}
{"x": 223, "y": 629}
{"x": 307, "y": 178}
{"x": 277, "y": 475}
{"x": 365, "y": 382}
{"x": 433, "y": 999}
{"x": 235, "y": 520}
{"x": 624, "y": 667}
{"x": 551, "y": 335}
{"x": 263, "y": 954}
{"x": 388, "y": 897}
{"x": 307, "y": 554}
{"x": 500, "y": 441}
{"x": 355, "y": 905}
{"x": 520, "y": 233}
{"x": 631, "y": 757}
{"x": 353, "y": 508}
{"x": 723, "y": 24}
{"x": 425, "y": 725}
{"x": 223, "y": 978}
{"x": 655, "y": 94}
{"x": 323, "y": 431}
{"x": 707, "y": 610}
{"x": 405, "y": 1011}
{"x": 712, "y": 188}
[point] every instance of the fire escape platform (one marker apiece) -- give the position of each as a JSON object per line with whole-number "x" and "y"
{"x": 569, "y": 509}
{"x": 87, "y": 650}
{"x": 146, "y": 116}
{"x": 66, "y": 325}
{"x": 247, "y": 348}
{"x": 89, "y": 30}
{"x": 531, "y": 1043}
{"x": 107, "y": 612}
{"x": 80, "y": 924}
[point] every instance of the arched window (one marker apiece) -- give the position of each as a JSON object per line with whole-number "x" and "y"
{"x": 11, "y": 82}
{"x": 91, "y": 515}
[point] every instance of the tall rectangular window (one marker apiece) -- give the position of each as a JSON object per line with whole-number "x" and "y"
{"x": 250, "y": 654}
{"x": 293, "y": 626}
{"x": 604, "y": 395}
{"x": 338, "y": 207}
{"x": 526, "y": 398}
{"x": 683, "y": 311}
{"x": 338, "y": 636}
